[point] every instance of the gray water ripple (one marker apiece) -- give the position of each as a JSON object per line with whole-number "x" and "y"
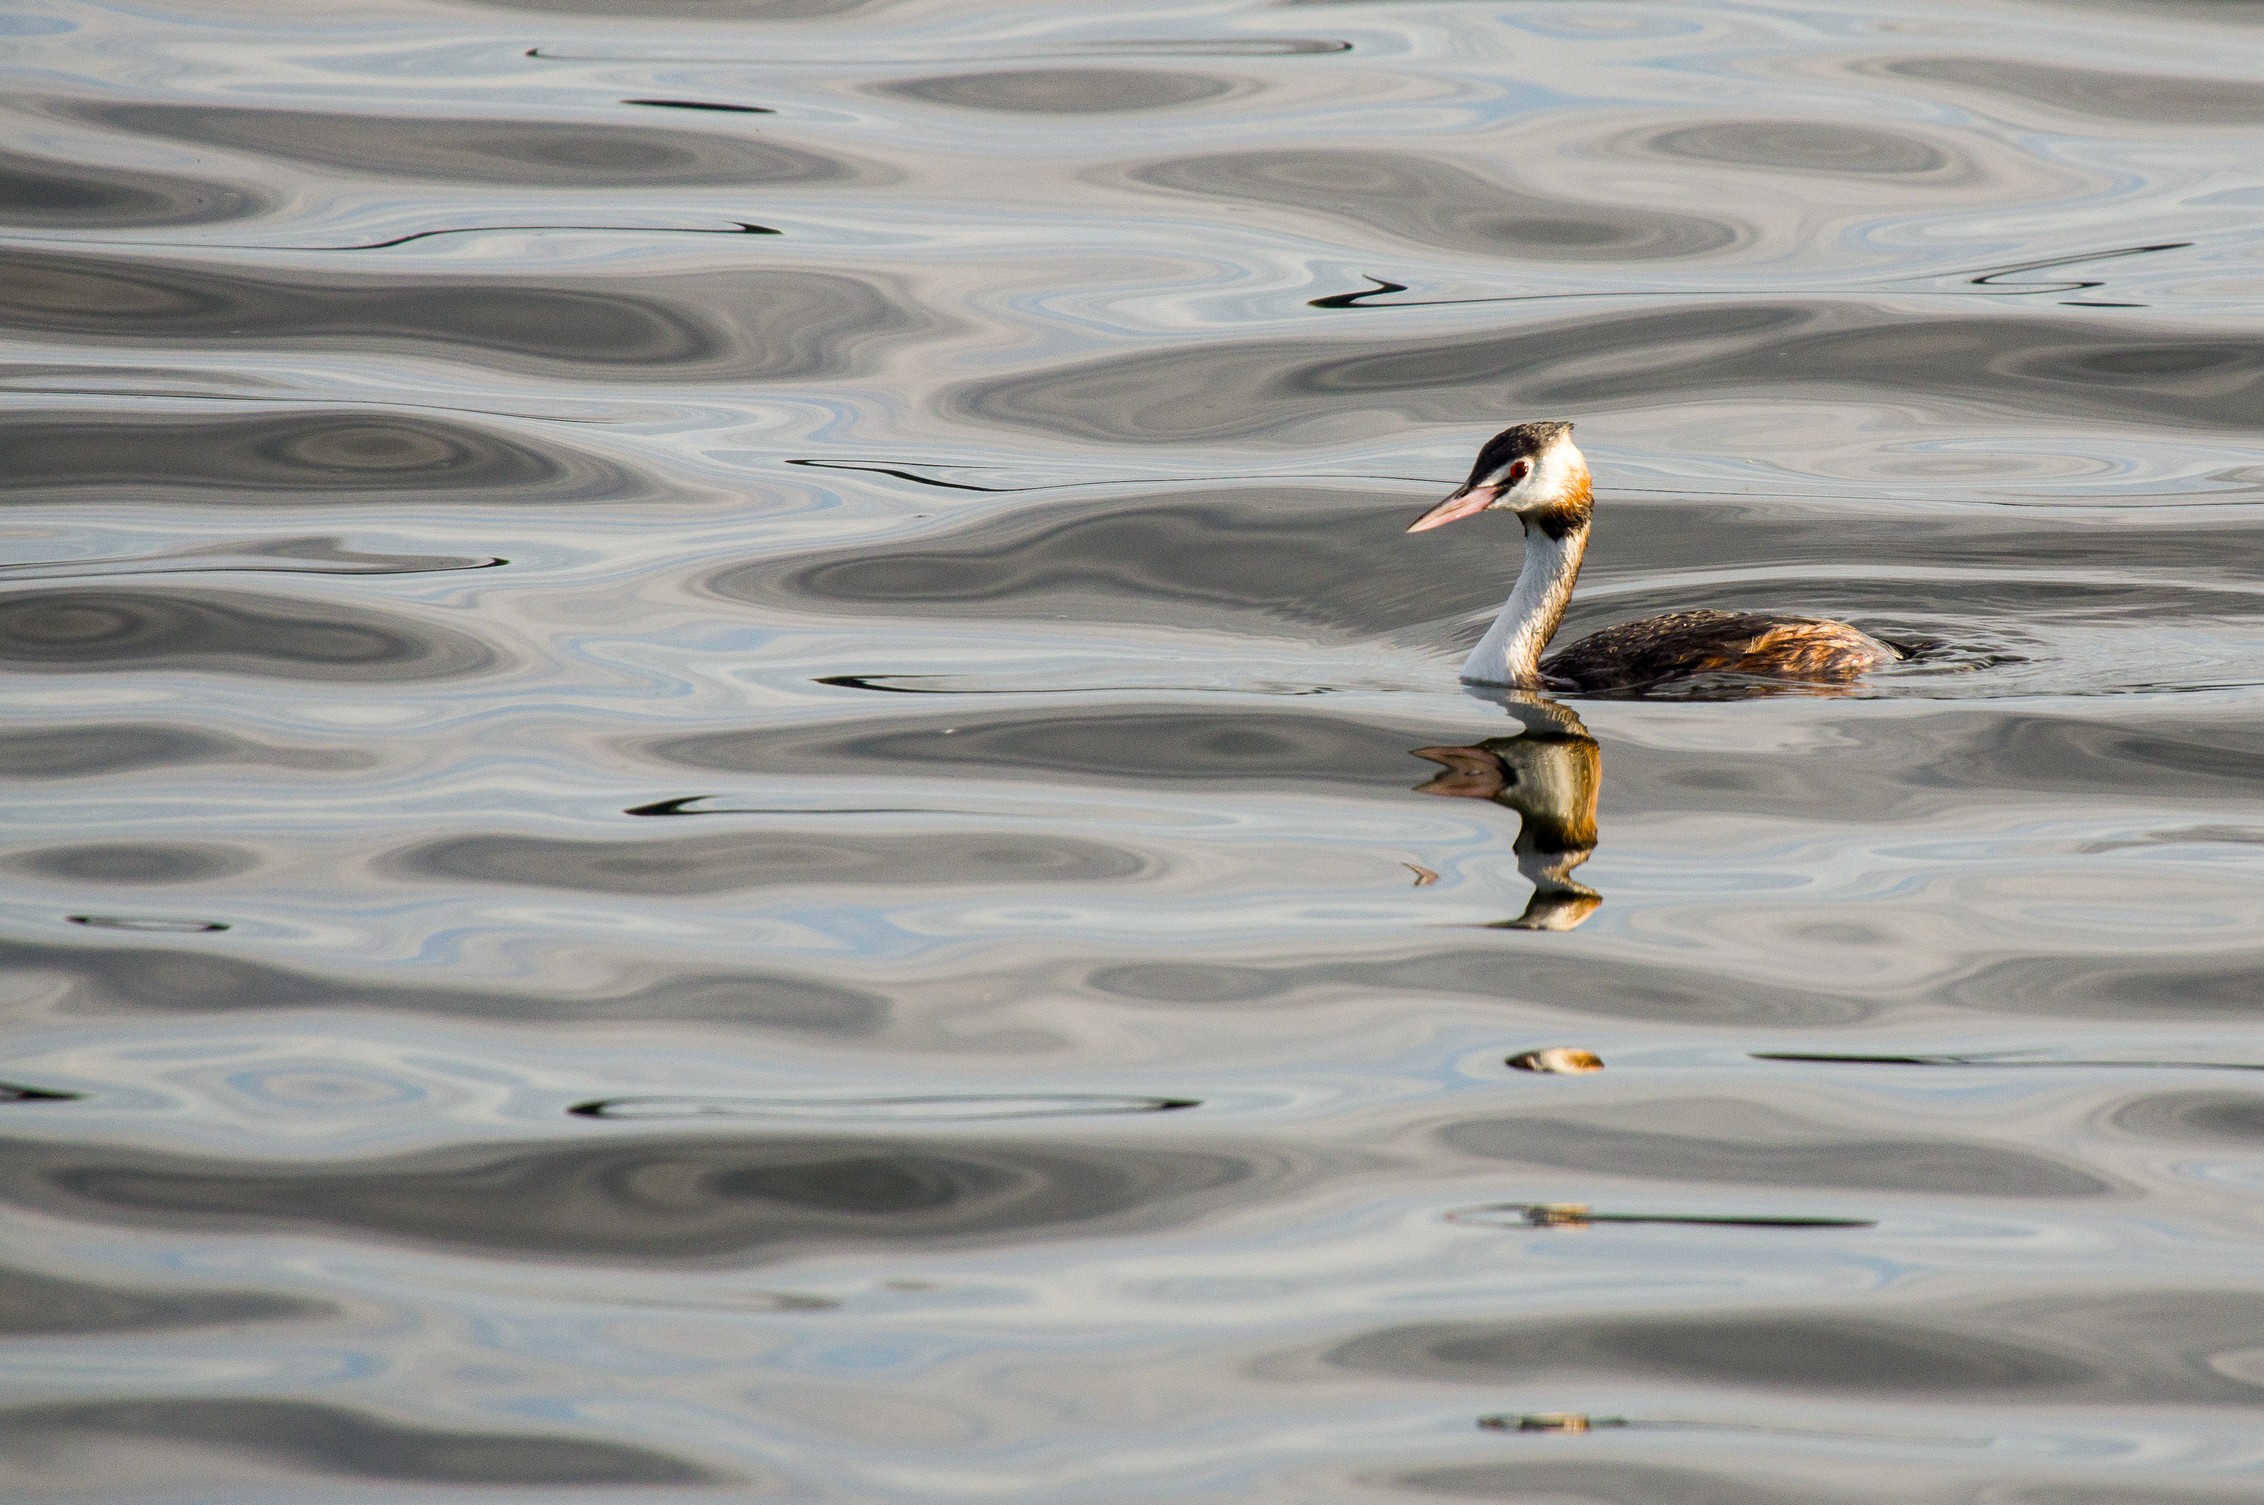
{"x": 1171, "y": 745}
{"x": 1506, "y": 974}
{"x": 2094, "y": 94}
{"x": 37, "y": 1305}
{"x": 1064, "y": 91}
{"x": 760, "y": 323}
{"x": 134, "y": 862}
{"x": 1948, "y": 761}
{"x": 1432, "y": 203}
{"x": 2200, "y": 758}
{"x": 98, "y": 749}
{"x": 55, "y": 194}
{"x": 1776, "y": 1350}
{"x": 740, "y": 863}
{"x": 230, "y": 632}
{"x": 2222, "y": 1118}
{"x": 520, "y": 152}
{"x": 1608, "y": 1482}
{"x": 697, "y": 10}
{"x": 2129, "y": 1347}
{"x": 1308, "y": 554}
{"x": 1738, "y": 1143}
{"x": 648, "y": 1199}
{"x": 1747, "y": 1480}
{"x": 2078, "y": 982}
{"x": 1758, "y": 350}
{"x": 333, "y": 1441}
{"x": 90, "y": 980}
{"x": 295, "y": 458}
{"x": 1806, "y": 146}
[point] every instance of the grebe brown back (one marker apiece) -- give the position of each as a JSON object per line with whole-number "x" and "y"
{"x": 1534, "y": 471}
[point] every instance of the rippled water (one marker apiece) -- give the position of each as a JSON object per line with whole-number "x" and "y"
{"x": 728, "y": 779}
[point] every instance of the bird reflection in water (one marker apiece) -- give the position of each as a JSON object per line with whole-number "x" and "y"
{"x": 1549, "y": 775}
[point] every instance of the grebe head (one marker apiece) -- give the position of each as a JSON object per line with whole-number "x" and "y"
{"x": 1531, "y": 469}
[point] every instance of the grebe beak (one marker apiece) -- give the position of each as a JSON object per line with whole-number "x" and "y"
{"x": 1467, "y": 502}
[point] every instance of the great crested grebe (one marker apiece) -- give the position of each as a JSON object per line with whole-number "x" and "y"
{"x": 1533, "y": 470}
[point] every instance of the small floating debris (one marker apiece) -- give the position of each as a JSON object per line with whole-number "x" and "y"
{"x": 1424, "y": 877}
{"x": 933, "y": 1109}
{"x": 1581, "y": 1215}
{"x": 2008, "y": 1058}
{"x": 1558, "y": 1060}
{"x": 155, "y": 923}
{"x": 1557, "y": 1214}
{"x": 1571, "y": 1422}
{"x": 1551, "y": 1421}
{"x": 16, "y": 1092}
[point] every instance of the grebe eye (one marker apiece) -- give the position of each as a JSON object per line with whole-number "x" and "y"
{"x": 1518, "y": 472}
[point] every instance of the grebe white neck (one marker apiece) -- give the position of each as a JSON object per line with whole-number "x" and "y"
{"x": 1510, "y": 652}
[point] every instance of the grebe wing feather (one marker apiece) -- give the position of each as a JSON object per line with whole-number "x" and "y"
{"x": 1684, "y": 644}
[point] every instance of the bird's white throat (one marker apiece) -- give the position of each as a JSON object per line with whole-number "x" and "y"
{"x": 1510, "y": 652}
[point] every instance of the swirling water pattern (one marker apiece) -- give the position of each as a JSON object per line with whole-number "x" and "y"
{"x": 709, "y": 730}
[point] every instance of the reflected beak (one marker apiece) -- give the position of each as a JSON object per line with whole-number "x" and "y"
{"x": 1468, "y": 502}
{"x": 1471, "y": 773}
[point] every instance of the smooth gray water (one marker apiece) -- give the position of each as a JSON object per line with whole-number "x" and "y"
{"x": 714, "y": 715}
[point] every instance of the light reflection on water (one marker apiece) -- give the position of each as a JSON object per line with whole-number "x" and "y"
{"x": 727, "y": 774}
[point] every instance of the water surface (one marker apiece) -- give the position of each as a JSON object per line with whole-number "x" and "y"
{"x": 729, "y": 779}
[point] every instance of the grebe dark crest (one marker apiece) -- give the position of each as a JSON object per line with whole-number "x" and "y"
{"x": 1534, "y": 471}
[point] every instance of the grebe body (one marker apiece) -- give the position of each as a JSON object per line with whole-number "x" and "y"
{"x": 1534, "y": 471}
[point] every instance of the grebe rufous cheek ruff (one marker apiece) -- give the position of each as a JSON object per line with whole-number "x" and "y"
{"x": 1534, "y": 471}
